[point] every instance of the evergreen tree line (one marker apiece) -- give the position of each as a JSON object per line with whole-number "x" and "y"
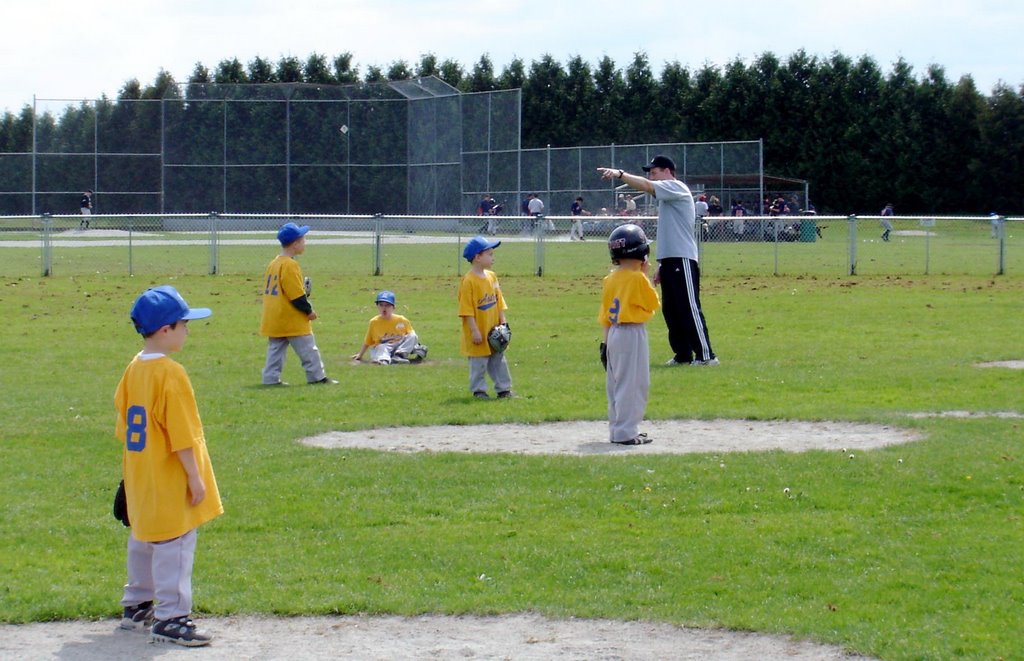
{"x": 859, "y": 136}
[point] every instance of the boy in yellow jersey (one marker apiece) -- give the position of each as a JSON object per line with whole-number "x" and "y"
{"x": 389, "y": 336}
{"x": 482, "y": 307}
{"x": 287, "y": 312}
{"x": 628, "y": 301}
{"x": 168, "y": 478}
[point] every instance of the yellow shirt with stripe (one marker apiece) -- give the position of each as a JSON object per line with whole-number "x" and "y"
{"x": 627, "y": 297}
{"x": 282, "y": 283}
{"x": 479, "y": 297}
{"x": 157, "y": 416}
{"x": 387, "y": 331}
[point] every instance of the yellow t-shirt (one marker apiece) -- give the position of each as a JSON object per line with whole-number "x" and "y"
{"x": 387, "y": 331}
{"x": 282, "y": 284}
{"x": 479, "y": 297}
{"x": 627, "y": 297}
{"x": 156, "y": 417}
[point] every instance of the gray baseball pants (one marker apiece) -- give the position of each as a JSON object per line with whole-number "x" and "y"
{"x": 305, "y": 348}
{"x": 161, "y": 572}
{"x": 496, "y": 366}
{"x": 382, "y": 353}
{"x": 628, "y": 380}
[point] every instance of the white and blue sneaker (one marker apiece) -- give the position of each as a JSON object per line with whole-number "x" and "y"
{"x": 137, "y": 618}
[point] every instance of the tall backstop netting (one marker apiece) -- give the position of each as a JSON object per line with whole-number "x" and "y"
{"x": 393, "y": 148}
{"x": 414, "y": 147}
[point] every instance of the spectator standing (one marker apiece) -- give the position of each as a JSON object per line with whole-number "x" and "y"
{"x": 85, "y": 208}
{"x": 577, "y": 211}
{"x": 701, "y": 209}
{"x": 886, "y": 221}
{"x": 738, "y": 227}
{"x": 536, "y": 208}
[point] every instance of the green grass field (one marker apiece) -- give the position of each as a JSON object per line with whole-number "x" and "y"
{"x": 899, "y": 560}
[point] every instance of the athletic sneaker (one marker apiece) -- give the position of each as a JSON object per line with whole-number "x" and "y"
{"x": 137, "y": 618}
{"x": 698, "y": 363}
{"x": 480, "y": 394}
{"x": 324, "y": 381}
{"x": 672, "y": 361}
{"x": 180, "y": 631}
{"x": 639, "y": 439}
{"x": 399, "y": 359}
{"x": 505, "y": 394}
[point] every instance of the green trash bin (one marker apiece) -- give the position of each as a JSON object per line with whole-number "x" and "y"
{"x": 808, "y": 231}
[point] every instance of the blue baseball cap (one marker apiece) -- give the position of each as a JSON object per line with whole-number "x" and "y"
{"x": 477, "y": 245}
{"x": 386, "y": 297}
{"x": 290, "y": 232}
{"x": 162, "y": 306}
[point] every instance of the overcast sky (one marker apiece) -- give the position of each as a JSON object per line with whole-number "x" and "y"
{"x": 77, "y": 50}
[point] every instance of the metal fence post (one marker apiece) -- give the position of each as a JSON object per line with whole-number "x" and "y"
{"x": 131, "y": 261}
{"x": 852, "y": 224}
{"x": 1001, "y": 234}
{"x": 378, "y": 229}
{"x": 213, "y": 242}
{"x": 47, "y": 265}
{"x": 538, "y": 255}
{"x": 775, "y": 238}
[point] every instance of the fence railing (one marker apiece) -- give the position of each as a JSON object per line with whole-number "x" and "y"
{"x": 361, "y": 245}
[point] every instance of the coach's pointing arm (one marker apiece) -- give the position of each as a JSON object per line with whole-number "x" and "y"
{"x": 633, "y": 180}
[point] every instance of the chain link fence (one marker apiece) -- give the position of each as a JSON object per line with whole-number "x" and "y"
{"x": 375, "y": 245}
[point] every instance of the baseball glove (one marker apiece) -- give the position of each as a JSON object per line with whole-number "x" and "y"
{"x": 418, "y": 353}
{"x": 121, "y": 505}
{"x": 499, "y": 337}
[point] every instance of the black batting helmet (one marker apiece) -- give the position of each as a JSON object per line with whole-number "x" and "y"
{"x": 628, "y": 242}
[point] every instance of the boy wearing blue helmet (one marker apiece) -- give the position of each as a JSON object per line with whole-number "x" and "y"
{"x": 481, "y": 308}
{"x": 389, "y": 336}
{"x": 287, "y": 312}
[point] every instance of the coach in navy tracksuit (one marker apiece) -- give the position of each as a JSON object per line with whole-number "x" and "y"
{"x": 678, "y": 272}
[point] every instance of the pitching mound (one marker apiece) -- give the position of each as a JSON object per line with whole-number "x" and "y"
{"x": 1010, "y": 364}
{"x": 521, "y": 636}
{"x": 591, "y": 437}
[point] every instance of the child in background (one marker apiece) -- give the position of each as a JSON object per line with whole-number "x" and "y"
{"x": 482, "y": 307}
{"x": 287, "y": 312}
{"x": 390, "y": 337}
{"x": 628, "y": 301}
{"x": 169, "y": 483}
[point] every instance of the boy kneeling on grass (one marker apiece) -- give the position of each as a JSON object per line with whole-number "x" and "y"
{"x": 390, "y": 337}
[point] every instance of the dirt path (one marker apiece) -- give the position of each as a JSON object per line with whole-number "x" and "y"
{"x": 520, "y": 637}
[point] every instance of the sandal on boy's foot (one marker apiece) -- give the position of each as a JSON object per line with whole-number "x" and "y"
{"x": 180, "y": 631}
{"x": 137, "y": 618}
{"x": 639, "y": 439}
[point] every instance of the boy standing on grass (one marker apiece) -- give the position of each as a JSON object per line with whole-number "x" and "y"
{"x": 169, "y": 483}
{"x": 482, "y": 307}
{"x": 628, "y": 301}
{"x": 287, "y": 312}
